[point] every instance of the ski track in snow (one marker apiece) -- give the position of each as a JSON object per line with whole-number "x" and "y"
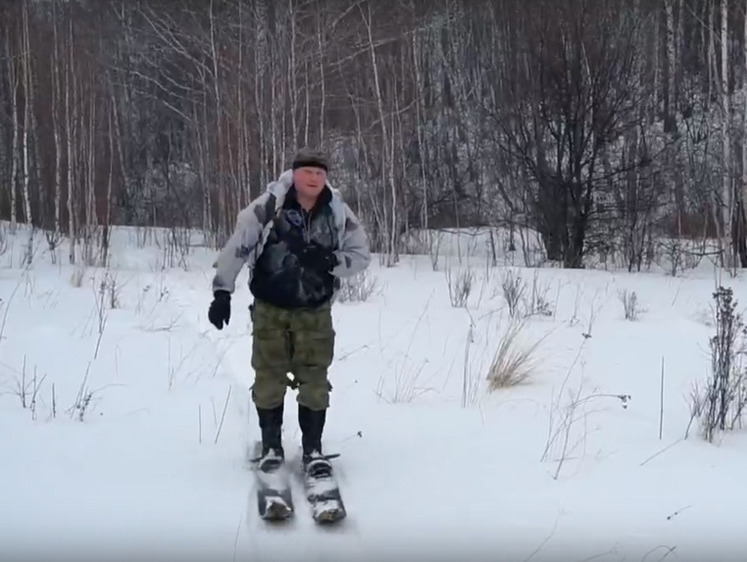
{"x": 422, "y": 477}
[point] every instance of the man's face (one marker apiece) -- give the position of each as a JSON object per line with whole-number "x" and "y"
{"x": 309, "y": 180}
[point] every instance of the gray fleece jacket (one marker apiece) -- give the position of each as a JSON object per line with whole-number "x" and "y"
{"x": 253, "y": 226}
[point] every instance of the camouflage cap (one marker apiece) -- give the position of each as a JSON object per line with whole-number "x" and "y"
{"x": 311, "y": 157}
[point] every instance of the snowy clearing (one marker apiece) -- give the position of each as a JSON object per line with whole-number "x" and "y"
{"x": 125, "y": 418}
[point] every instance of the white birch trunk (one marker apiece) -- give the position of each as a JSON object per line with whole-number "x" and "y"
{"x": 273, "y": 118}
{"x": 671, "y": 65}
{"x": 242, "y": 192}
{"x": 56, "y": 130}
{"x": 386, "y": 168}
{"x": 679, "y": 46}
{"x": 320, "y": 44}
{"x": 418, "y": 113}
{"x": 92, "y": 219}
{"x": 744, "y": 119}
{"x": 727, "y": 198}
{"x": 15, "y": 146}
{"x": 26, "y": 118}
{"x": 223, "y": 219}
{"x": 28, "y": 108}
{"x": 106, "y": 235}
{"x": 70, "y": 118}
{"x": 711, "y": 51}
{"x": 307, "y": 104}
{"x": 292, "y": 74}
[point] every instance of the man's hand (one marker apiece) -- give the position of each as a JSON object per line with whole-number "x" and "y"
{"x": 314, "y": 256}
{"x": 220, "y": 309}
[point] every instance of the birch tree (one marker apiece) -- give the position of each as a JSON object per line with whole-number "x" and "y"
{"x": 13, "y": 81}
{"x": 580, "y": 120}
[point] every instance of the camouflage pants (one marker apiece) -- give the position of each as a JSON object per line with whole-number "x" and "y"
{"x": 300, "y": 342}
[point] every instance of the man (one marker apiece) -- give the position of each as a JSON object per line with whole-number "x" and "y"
{"x": 298, "y": 239}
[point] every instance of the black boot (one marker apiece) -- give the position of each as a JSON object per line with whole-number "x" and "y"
{"x": 271, "y": 425}
{"x": 311, "y": 423}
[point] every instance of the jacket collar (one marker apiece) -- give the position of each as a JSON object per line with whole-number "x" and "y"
{"x": 325, "y": 198}
{"x": 281, "y": 186}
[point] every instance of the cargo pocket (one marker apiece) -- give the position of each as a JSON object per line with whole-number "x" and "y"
{"x": 314, "y": 349}
{"x": 271, "y": 351}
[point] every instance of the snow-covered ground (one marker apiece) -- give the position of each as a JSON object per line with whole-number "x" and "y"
{"x": 131, "y": 440}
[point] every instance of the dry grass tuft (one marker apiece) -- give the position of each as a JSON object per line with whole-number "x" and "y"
{"x": 513, "y": 363}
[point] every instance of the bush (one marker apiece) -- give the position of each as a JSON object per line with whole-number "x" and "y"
{"x": 460, "y": 287}
{"x": 720, "y": 405}
{"x": 358, "y": 288}
{"x": 629, "y": 302}
{"x": 513, "y": 287}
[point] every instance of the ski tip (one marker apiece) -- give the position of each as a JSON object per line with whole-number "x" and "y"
{"x": 330, "y": 516}
{"x": 327, "y": 511}
{"x": 277, "y": 511}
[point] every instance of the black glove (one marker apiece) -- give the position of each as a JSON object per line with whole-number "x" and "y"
{"x": 220, "y": 309}
{"x": 314, "y": 256}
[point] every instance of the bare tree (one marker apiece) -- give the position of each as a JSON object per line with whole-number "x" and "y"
{"x": 570, "y": 105}
{"x": 602, "y": 125}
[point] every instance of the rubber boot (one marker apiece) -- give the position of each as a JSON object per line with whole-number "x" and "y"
{"x": 311, "y": 423}
{"x": 271, "y": 425}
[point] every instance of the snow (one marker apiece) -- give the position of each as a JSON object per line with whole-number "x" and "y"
{"x": 432, "y": 466}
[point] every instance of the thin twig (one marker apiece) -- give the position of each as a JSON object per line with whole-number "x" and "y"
{"x": 661, "y": 401}
{"x": 661, "y": 451}
{"x": 223, "y": 415}
{"x": 544, "y": 542}
{"x": 236, "y": 538}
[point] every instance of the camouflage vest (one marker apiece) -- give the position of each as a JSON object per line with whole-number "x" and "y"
{"x": 278, "y": 277}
